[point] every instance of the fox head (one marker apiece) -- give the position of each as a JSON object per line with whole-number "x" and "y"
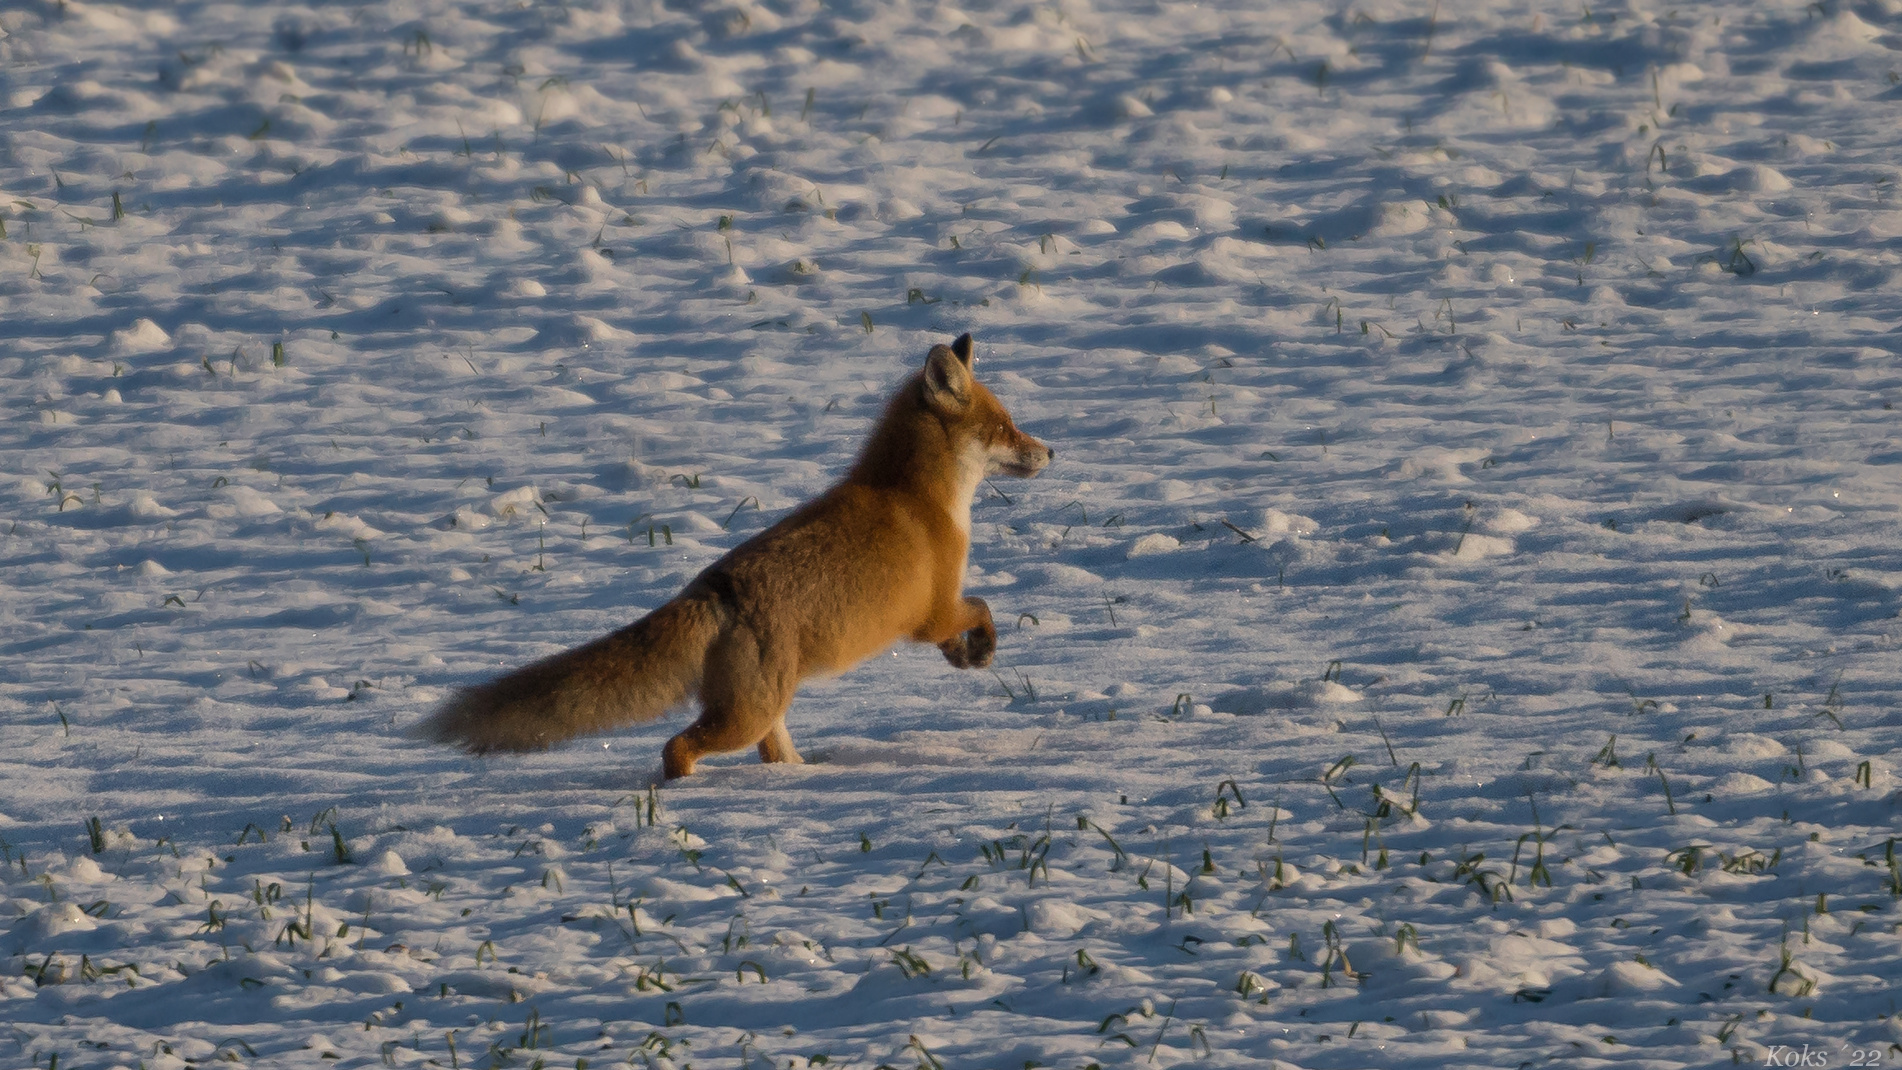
{"x": 980, "y": 429}
{"x": 947, "y": 431}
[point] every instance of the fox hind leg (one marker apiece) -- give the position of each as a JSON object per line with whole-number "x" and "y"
{"x": 726, "y": 727}
{"x": 778, "y": 746}
{"x": 743, "y": 700}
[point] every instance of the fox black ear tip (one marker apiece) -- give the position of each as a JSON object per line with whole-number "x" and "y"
{"x": 962, "y": 347}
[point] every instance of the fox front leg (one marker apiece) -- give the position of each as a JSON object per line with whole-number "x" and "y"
{"x": 972, "y": 648}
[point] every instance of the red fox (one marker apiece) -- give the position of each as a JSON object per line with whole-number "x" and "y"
{"x": 878, "y": 558}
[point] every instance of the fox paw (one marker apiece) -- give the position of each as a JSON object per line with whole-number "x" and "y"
{"x": 971, "y": 650}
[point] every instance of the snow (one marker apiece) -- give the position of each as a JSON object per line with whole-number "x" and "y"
{"x": 1459, "y": 626}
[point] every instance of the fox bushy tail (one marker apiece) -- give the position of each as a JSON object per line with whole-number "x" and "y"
{"x": 635, "y": 674}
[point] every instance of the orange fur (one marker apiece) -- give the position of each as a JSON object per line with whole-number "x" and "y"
{"x": 878, "y": 558}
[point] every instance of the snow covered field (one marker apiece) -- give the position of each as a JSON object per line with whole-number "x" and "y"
{"x": 1459, "y": 628}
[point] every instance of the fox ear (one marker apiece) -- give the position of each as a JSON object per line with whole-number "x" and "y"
{"x": 962, "y": 348}
{"x": 947, "y": 381}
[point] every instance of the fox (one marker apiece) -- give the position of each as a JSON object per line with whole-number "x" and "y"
{"x": 880, "y": 557}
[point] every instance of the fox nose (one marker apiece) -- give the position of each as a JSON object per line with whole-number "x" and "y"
{"x": 1049, "y": 454}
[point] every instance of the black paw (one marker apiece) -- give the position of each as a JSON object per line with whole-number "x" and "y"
{"x": 971, "y": 650}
